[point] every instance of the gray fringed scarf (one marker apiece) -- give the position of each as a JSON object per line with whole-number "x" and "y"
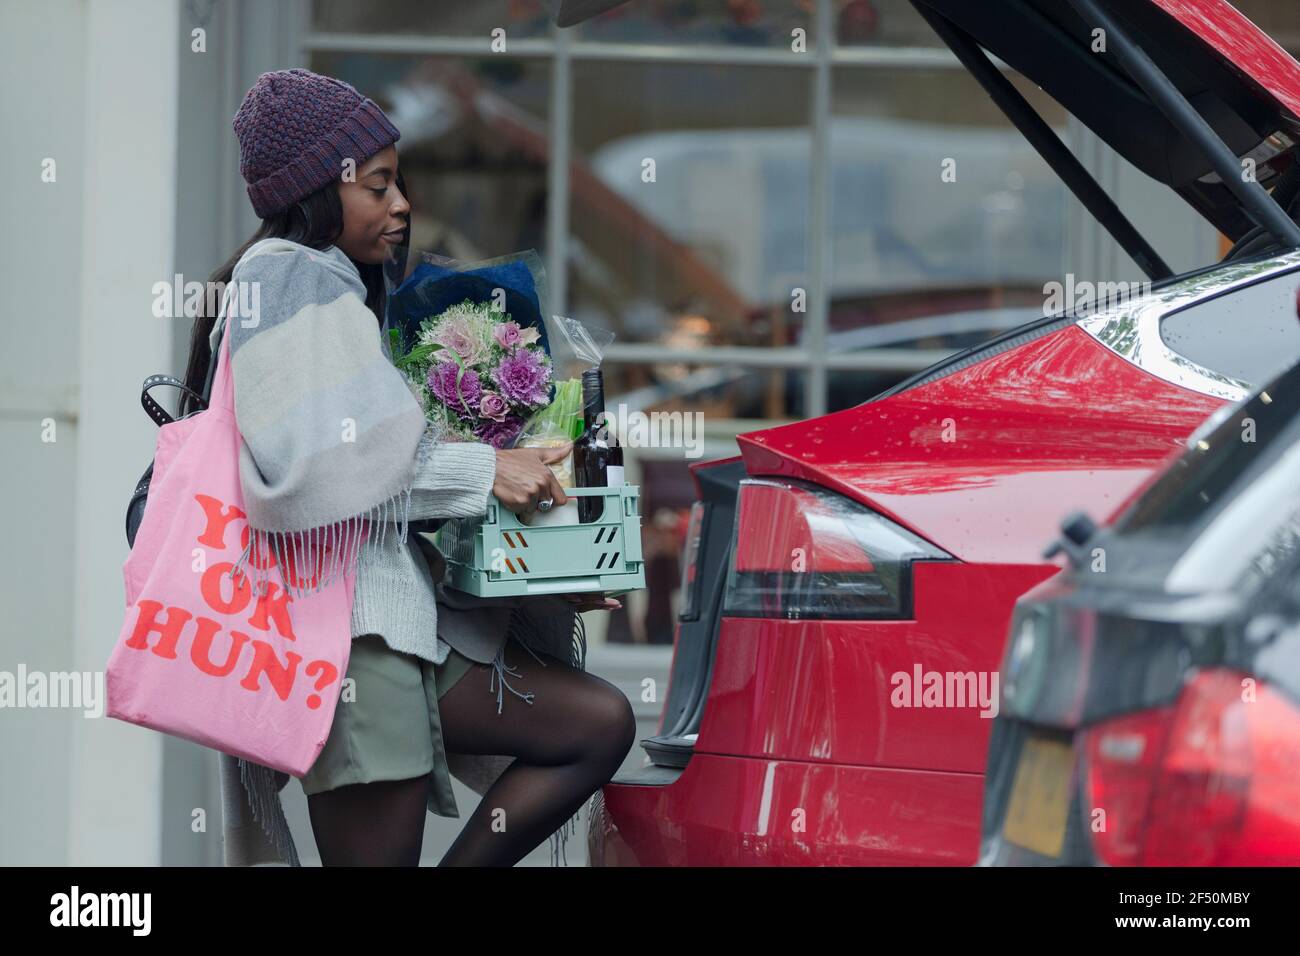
{"x": 330, "y": 429}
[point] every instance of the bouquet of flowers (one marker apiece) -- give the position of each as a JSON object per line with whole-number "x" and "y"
{"x": 486, "y": 360}
{"x": 479, "y": 353}
{"x": 476, "y": 372}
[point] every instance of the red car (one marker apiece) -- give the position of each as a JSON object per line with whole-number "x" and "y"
{"x": 850, "y": 579}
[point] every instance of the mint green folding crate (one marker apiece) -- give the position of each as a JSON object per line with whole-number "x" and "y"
{"x": 499, "y": 556}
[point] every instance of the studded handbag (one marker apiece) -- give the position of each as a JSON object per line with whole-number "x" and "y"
{"x": 160, "y": 415}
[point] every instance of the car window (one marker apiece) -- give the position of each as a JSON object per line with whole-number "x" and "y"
{"x": 1201, "y": 280}
{"x": 1240, "y": 439}
{"x": 1250, "y": 538}
{"x": 1232, "y": 494}
{"x": 1249, "y": 334}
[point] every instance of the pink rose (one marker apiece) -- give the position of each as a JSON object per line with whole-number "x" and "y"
{"x": 493, "y": 406}
{"x": 507, "y": 334}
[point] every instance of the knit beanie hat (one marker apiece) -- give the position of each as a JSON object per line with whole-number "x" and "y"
{"x": 295, "y": 129}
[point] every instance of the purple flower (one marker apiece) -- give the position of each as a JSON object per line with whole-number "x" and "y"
{"x": 442, "y": 383}
{"x": 522, "y": 377}
{"x": 499, "y": 434}
{"x": 507, "y": 334}
{"x": 491, "y": 405}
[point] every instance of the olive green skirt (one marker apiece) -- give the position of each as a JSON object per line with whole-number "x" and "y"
{"x": 391, "y": 730}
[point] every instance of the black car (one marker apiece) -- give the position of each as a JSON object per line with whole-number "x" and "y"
{"x": 1150, "y": 710}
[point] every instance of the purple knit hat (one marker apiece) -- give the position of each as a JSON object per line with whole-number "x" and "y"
{"x": 296, "y": 128}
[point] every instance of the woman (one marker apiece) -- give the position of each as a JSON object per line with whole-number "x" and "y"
{"x": 322, "y": 173}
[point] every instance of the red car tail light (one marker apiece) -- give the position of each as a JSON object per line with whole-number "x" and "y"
{"x": 800, "y": 551}
{"x": 1210, "y": 781}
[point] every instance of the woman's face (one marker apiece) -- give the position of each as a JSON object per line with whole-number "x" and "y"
{"x": 375, "y": 213}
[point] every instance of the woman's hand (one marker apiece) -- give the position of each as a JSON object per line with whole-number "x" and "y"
{"x": 523, "y": 478}
{"x": 592, "y": 602}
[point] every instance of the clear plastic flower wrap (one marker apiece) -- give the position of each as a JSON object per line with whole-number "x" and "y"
{"x": 561, "y": 421}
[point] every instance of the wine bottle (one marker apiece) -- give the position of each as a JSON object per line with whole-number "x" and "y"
{"x": 597, "y": 457}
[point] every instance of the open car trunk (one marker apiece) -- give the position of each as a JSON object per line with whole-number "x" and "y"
{"x": 1236, "y": 78}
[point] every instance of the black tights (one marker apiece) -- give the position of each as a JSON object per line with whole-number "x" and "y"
{"x": 568, "y": 743}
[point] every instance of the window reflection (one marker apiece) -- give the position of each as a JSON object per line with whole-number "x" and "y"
{"x": 688, "y": 214}
{"x": 750, "y": 23}
{"x": 716, "y": 391}
{"x": 447, "y": 18}
{"x": 881, "y": 23}
{"x": 945, "y": 224}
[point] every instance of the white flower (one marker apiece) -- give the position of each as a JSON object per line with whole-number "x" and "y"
{"x": 466, "y": 327}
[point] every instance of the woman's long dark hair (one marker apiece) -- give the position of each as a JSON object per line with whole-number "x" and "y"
{"x": 316, "y": 221}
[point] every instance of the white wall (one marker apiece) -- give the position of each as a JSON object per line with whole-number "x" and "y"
{"x": 147, "y": 185}
{"x": 42, "y": 62}
{"x": 78, "y": 259}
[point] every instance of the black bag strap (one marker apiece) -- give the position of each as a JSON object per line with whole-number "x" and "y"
{"x": 160, "y": 414}
{"x": 151, "y": 406}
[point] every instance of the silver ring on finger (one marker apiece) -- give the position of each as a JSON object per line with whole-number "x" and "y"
{"x": 546, "y": 504}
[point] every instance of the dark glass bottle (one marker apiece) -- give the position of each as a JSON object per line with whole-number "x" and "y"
{"x": 597, "y": 457}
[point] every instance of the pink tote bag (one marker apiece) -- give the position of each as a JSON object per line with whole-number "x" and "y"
{"x": 201, "y": 655}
